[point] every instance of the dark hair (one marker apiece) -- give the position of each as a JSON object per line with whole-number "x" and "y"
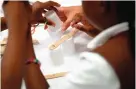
{"x": 126, "y": 12}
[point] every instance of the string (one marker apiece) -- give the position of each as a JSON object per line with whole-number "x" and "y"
{"x": 34, "y": 27}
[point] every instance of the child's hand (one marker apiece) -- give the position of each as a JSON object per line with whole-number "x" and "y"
{"x": 38, "y": 10}
{"x": 67, "y": 15}
{"x": 73, "y": 15}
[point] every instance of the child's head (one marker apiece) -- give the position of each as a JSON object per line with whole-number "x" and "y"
{"x": 103, "y": 14}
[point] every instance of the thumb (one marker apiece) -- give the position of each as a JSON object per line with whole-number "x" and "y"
{"x": 80, "y": 27}
{"x": 76, "y": 19}
{"x": 90, "y": 30}
{"x": 66, "y": 24}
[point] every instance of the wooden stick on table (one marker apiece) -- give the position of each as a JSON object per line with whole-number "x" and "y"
{"x": 56, "y": 75}
{"x": 64, "y": 38}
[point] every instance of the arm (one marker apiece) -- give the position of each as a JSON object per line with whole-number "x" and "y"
{"x": 19, "y": 70}
{"x": 34, "y": 78}
{"x": 15, "y": 55}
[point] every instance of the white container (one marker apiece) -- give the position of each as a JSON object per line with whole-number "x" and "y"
{"x": 54, "y": 32}
{"x": 54, "y": 35}
{"x": 57, "y": 56}
{"x": 68, "y": 47}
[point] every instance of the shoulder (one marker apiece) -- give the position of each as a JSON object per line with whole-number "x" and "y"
{"x": 117, "y": 52}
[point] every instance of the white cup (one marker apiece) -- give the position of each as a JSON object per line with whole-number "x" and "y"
{"x": 57, "y": 56}
{"x": 53, "y": 17}
{"x": 54, "y": 35}
{"x": 54, "y": 32}
{"x": 68, "y": 47}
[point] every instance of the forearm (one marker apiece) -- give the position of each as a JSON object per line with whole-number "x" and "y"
{"x": 34, "y": 78}
{"x": 3, "y": 23}
{"x": 14, "y": 55}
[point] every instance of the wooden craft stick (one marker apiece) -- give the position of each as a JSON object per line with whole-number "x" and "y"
{"x": 56, "y": 75}
{"x": 64, "y": 38}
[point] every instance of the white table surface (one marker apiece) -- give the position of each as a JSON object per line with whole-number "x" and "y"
{"x": 41, "y": 50}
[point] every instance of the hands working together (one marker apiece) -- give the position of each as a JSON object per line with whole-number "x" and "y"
{"x": 19, "y": 24}
{"x": 73, "y": 15}
{"x": 38, "y": 8}
{"x": 70, "y": 16}
{"x": 19, "y": 60}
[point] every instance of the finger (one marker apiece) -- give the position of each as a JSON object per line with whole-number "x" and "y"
{"x": 83, "y": 27}
{"x": 45, "y": 20}
{"x": 48, "y": 4}
{"x": 66, "y": 24}
{"x": 50, "y": 22}
{"x": 77, "y": 18}
{"x": 80, "y": 27}
{"x": 62, "y": 17}
{"x": 61, "y": 14}
{"x": 52, "y": 8}
{"x": 90, "y": 30}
